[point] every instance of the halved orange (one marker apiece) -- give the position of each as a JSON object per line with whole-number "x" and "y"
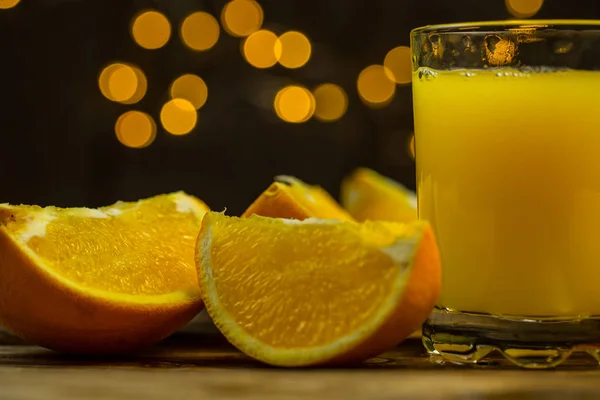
{"x": 314, "y": 292}
{"x": 289, "y": 197}
{"x": 107, "y": 280}
{"x": 367, "y": 195}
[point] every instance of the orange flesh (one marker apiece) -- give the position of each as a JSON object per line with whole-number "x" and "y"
{"x": 294, "y": 286}
{"x": 371, "y": 196}
{"x": 114, "y": 253}
{"x": 289, "y": 197}
{"x": 327, "y": 206}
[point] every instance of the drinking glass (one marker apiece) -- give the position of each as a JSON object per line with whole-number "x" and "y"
{"x": 507, "y": 139}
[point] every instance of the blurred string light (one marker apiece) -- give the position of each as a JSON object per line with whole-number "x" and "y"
{"x": 294, "y": 104}
{"x": 191, "y": 88}
{"x": 135, "y": 129}
{"x": 123, "y": 83}
{"x": 375, "y": 86}
{"x": 293, "y": 49}
{"x": 178, "y": 116}
{"x": 151, "y": 30}
{"x": 523, "y": 8}
{"x": 259, "y": 49}
{"x": 242, "y": 17}
{"x": 398, "y": 64}
{"x": 6, "y": 4}
{"x": 331, "y": 102}
{"x": 200, "y": 31}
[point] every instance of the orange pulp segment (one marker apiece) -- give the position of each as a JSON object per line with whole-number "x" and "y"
{"x": 111, "y": 279}
{"x": 368, "y": 195}
{"x": 299, "y": 293}
{"x": 289, "y": 197}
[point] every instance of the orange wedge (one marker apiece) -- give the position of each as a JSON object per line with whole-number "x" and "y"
{"x": 368, "y": 195}
{"x": 316, "y": 292}
{"x": 107, "y": 280}
{"x": 289, "y": 197}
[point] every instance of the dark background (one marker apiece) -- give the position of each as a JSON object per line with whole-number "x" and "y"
{"x": 58, "y": 144}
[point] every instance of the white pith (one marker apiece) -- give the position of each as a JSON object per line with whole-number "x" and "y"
{"x": 35, "y": 227}
{"x": 185, "y": 204}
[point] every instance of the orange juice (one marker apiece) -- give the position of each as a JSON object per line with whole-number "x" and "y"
{"x": 508, "y": 173}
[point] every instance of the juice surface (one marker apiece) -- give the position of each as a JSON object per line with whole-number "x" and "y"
{"x": 508, "y": 173}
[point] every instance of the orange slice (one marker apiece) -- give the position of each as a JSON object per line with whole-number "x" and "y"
{"x": 289, "y": 197}
{"x": 313, "y": 292}
{"x": 368, "y": 195}
{"x": 107, "y": 280}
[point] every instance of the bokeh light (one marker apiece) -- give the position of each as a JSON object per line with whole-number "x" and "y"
{"x": 375, "y": 86}
{"x": 398, "y": 63}
{"x": 331, "y": 102}
{"x": 294, "y": 104}
{"x": 523, "y": 8}
{"x": 151, "y": 30}
{"x": 200, "y": 31}
{"x": 293, "y": 49}
{"x": 142, "y": 86}
{"x": 191, "y": 88}
{"x": 178, "y": 116}
{"x": 123, "y": 83}
{"x": 135, "y": 129}
{"x": 259, "y": 49}
{"x": 242, "y": 17}
{"x": 411, "y": 146}
{"x": 6, "y": 4}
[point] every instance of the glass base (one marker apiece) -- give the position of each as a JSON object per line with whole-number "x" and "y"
{"x": 472, "y": 338}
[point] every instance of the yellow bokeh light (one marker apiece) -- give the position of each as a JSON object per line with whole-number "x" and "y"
{"x": 294, "y": 104}
{"x": 5, "y": 4}
{"x": 523, "y": 8}
{"x": 105, "y": 77}
{"x": 398, "y": 63}
{"x": 178, "y": 116}
{"x": 135, "y": 129}
{"x": 375, "y": 86}
{"x": 411, "y": 146}
{"x": 123, "y": 83}
{"x": 259, "y": 49}
{"x": 331, "y": 102}
{"x": 200, "y": 31}
{"x": 242, "y": 17}
{"x": 293, "y": 49}
{"x": 191, "y": 88}
{"x": 151, "y": 30}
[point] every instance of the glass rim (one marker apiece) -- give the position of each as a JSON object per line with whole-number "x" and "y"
{"x": 480, "y": 27}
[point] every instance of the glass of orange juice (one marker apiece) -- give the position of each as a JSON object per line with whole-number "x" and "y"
{"x": 507, "y": 129}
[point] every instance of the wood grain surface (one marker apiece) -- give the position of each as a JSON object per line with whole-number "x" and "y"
{"x": 199, "y": 363}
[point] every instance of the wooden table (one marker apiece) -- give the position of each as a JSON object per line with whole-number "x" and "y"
{"x": 199, "y": 364}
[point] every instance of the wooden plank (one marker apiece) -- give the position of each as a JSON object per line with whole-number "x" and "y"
{"x": 202, "y": 364}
